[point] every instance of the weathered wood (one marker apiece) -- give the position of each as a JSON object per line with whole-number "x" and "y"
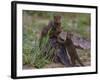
{"x": 78, "y": 41}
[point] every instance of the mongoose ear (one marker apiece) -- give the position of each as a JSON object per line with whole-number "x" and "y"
{"x": 57, "y": 16}
{"x": 70, "y": 34}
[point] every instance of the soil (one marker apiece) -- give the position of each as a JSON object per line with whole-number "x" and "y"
{"x": 52, "y": 65}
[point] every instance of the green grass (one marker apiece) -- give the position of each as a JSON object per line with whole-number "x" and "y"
{"x": 38, "y": 55}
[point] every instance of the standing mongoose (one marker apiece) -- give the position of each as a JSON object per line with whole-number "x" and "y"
{"x": 72, "y": 50}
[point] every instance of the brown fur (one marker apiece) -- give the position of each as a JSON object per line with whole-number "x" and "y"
{"x": 54, "y": 25}
{"x": 72, "y": 50}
